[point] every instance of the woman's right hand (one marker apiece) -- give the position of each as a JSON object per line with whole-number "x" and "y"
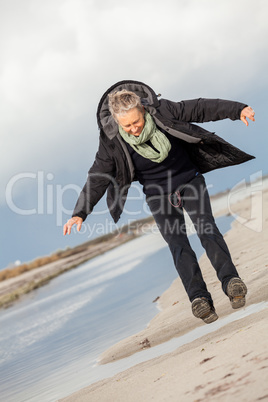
{"x": 73, "y": 221}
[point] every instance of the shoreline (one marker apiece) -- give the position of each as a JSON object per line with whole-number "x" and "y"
{"x": 12, "y": 289}
{"x": 243, "y": 341}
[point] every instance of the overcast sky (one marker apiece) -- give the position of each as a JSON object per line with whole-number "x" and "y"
{"x": 57, "y": 57}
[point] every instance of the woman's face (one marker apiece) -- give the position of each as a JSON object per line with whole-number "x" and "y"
{"x": 132, "y": 122}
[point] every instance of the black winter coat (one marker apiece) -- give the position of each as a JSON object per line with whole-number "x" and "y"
{"x": 113, "y": 170}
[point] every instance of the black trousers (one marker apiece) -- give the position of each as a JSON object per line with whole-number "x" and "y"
{"x": 169, "y": 218}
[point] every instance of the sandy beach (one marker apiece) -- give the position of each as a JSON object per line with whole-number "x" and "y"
{"x": 229, "y": 362}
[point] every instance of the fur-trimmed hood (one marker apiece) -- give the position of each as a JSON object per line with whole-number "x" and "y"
{"x": 104, "y": 117}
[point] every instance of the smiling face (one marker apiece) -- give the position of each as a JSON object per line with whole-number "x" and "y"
{"x": 132, "y": 122}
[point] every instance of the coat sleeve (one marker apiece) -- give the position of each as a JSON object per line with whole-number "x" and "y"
{"x": 204, "y": 110}
{"x": 100, "y": 175}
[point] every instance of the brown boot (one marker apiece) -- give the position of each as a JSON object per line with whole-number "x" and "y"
{"x": 236, "y": 291}
{"x": 202, "y": 308}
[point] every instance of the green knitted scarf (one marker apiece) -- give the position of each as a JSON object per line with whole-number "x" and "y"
{"x": 149, "y": 132}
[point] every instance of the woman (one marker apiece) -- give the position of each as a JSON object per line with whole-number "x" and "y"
{"x": 154, "y": 141}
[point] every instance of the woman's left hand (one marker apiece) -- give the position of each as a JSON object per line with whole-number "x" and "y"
{"x": 249, "y": 113}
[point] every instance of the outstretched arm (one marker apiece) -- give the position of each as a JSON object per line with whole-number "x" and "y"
{"x": 249, "y": 113}
{"x": 202, "y": 110}
{"x": 99, "y": 177}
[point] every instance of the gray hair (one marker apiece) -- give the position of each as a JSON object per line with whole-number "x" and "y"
{"x": 121, "y": 102}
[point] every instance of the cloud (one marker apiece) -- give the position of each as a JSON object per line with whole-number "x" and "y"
{"x": 59, "y": 56}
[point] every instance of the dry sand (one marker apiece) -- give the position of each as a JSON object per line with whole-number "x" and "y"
{"x": 227, "y": 364}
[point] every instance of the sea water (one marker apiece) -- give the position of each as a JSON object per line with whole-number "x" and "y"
{"x": 50, "y": 340}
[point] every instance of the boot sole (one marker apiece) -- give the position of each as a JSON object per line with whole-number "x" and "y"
{"x": 202, "y": 309}
{"x": 237, "y": 291}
